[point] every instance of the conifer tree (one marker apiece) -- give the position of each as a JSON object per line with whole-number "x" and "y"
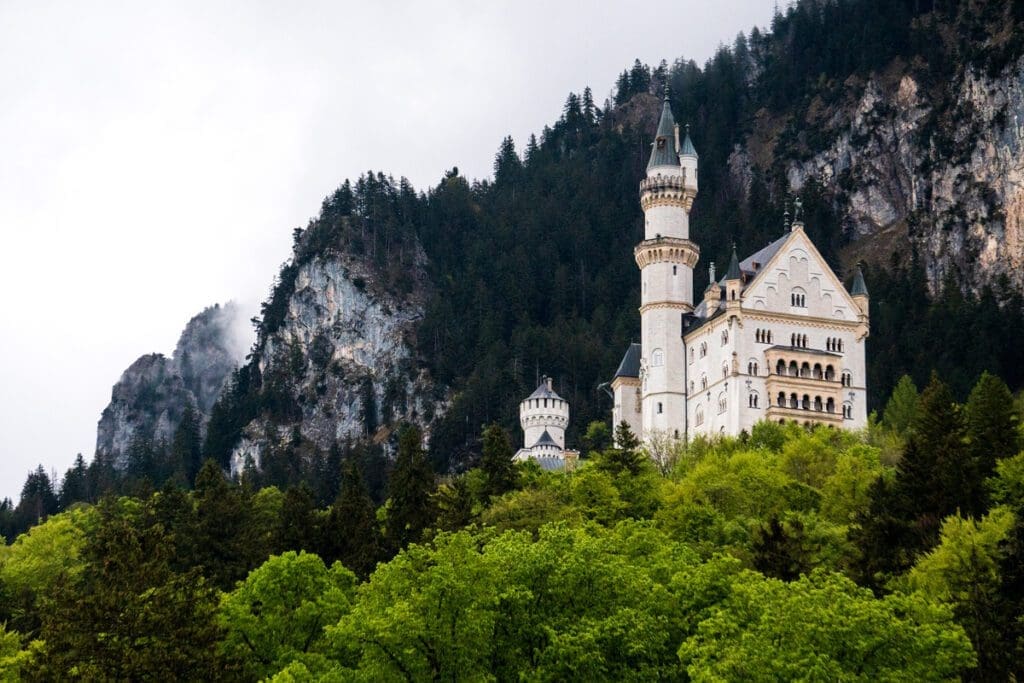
{"x": 901, "y": 410}
{"x": 410, "y": 487}
{"x": 221, "y": 522}
{"x": 186, "y": 455}
{"x": 297, "y": 528}
{"x": 75, "y": 485}
{"x": 496, "y": 462}
{"x": 351, "y": 534}
{"x": 991, "y": 423}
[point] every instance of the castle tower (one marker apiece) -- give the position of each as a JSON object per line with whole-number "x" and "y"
{"x": 666, "y": 258}
{"x": 544, "y": 416}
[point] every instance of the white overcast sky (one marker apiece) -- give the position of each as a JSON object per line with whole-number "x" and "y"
{"x": 155, "y": 156}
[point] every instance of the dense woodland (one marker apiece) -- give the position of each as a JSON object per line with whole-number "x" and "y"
{"x": 894, "y": 554}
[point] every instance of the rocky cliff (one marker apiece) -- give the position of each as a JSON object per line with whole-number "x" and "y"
{"x": 340, "y": 365}
{"x": 940, "y": 168}
{"x": 150, "y": 397}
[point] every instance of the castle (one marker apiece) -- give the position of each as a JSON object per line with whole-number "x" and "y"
{"x": 777, "y": 338}
{"x": 544, "y": 415}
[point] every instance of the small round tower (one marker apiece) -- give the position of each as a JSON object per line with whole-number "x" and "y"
{"x": 544, "y": 412}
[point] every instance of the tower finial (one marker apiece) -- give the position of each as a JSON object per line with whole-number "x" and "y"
{"x": 666, "y": 90}
{"x": 797, "y": 206}
{"x": 785, "y": 216}
{"x": 711, "y": 273}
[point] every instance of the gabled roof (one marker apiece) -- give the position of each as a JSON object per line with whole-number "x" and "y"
{"x": 663, "y": 152}
{"x": 543, "y": 391}
{"x": 630, "y": 365}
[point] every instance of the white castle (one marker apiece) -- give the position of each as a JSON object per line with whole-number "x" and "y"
{"x": 777, "y": 338}
{"x": 544, "y": 415}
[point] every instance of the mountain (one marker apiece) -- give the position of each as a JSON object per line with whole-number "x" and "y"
{"x": 898, "y": 125}
{"x": 148, "y": 401}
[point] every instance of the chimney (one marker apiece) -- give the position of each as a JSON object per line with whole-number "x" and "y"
{"x": 548, "y": 380}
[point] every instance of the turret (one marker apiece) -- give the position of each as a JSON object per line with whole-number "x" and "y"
{"x": 713, "y": 294}
{"x": 544, "y": 415}
{"x": 688, "y": 161}
{"x": 733, "y": 280}
{"x": 859, "y": 292}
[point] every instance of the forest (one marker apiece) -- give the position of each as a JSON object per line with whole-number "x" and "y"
{"x": 892, "y": 554}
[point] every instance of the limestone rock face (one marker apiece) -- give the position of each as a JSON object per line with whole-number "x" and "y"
{"x": 343, "y": 355}
{"x": 947, "y": 170}
{"x": 150, "y": 397}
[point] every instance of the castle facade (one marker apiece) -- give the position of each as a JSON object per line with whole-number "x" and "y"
{"x": 778, "y": 337}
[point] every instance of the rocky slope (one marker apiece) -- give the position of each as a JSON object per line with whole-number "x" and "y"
{"x": 150, "y": 397}
{"x": 341, "y": 361}
{"x": 942, "y": 166}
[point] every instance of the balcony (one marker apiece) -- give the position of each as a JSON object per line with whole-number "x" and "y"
{"x": 666, "y": 249}
{"x": 776, "y": 412}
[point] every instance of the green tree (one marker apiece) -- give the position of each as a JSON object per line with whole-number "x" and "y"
{"x": 186, "y": 454}
{"x": 127, "y": 615}
{"x": 597, "y": 438}
{"x": 410, "y": 487}
{"x": 351, "y": 532}
{"x": 278, "y": 614}
{"x": 992, "y": 429}
{"x": 901, "y": 410}
{"x": 496, "y": 461}
{"x": 831, "y": 630}
{"x": 298, "y": 526}
{"x": 219, "y": 537}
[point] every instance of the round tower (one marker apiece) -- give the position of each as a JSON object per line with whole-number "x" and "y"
{"x": 544, "y": 413}
{"x": 666, "y": 258}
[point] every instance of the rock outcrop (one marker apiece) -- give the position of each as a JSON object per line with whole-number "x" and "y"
{"x": 150, "y": 397}
{"x": 946, "y": 171}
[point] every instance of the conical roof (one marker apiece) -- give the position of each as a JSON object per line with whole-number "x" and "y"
{"x": 664, "y": 148}
{"x": 630, "y": 365}
{"x": 545, "y": 440}
{"x": 687, "y": 149}
{"x": 859, "y": 286}
{"x": 734, "y": 267}
{"x": 544, "y": 391}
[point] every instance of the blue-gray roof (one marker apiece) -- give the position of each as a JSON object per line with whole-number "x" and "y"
{"x": 545, "y": 440}
{"x": 686, "y": 148}
{"x": 664, "y": 148}
{"x": 543, "y": 391}
{"x": 734, "y": 267}
{"x": 549, "y": 463}
{"x": 630, "y": 365}
{"x": 859, "y": 286}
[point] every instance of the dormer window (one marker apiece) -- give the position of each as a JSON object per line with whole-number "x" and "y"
{"x": 661, "y": 143}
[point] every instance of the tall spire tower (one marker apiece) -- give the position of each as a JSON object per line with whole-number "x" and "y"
{"x": 666, "y": 258}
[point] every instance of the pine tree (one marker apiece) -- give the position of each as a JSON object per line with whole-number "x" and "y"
{"x": 221, "y": 521}
{"x": 38, "y": 501}
{"x": 351, "y": 534}
{"x": 410, "y": 486}
{"x": 991, "y": 422}
{"x": 186, "y": 454}
{"x": 75, "y": 486}
{"x": 496, "y": 462}
{"x": 901, "y": 410}
{"x": 298, "y": 529}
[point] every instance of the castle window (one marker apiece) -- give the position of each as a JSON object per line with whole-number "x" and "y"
{"x": 674, "y": 270}
{"x": 703, "y": 382}
{"x": 847, "y": 411}
{"x": 798, "y": 299}
{"x": 806, "y": 403}
{"x": 780, "y": 367}
{"x": 794, "y": 370}
{"x": 817, "y": 403}
{"x": 545, "y": 403}
{"x": 752, "y": 400}
{"x": 691, "y": 355}
{"x": 805, "y": 370}
{"x": 847, "y": 379}
{"x": 830, "y": 405}
{"x": 725, "y": 337}
{"x": 657, "y": 358}
{"x": 794, "y": 401}
{"x": 703, "y": 349}
{"x": 725, "y": 370}
{"x": 752, "y": 368}
{"x": 660, "y": 408}
{"x": 721, "y": 403}
{"x": 830, "y": 373}
{"x": 781, "y": 400}
{"x": 699, "y": 416}
{"x": 818, "y": 374}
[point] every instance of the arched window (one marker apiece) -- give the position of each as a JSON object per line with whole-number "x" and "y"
{"x": 781, "y": 400}
{"x": 752, "y": 400}
{"x": 721, "y": 402}
{"x": 661, "y": 408}
{"x": 830, "y": 373}
{"x": 752, "y": 368}
{"x": 545, "y": 403}
{"x": 847, "y": 379}
{"x": 798, "y": 299}
{"x": 674, "y": 269}
{"x": 794, "y": 370}
{"x": 806, "y": 403}
{"x": 794, "y": 402}
{"x": 725, "y": 337}
{"x": 818, "y": 404}
{"x": 757, "y": 336}
{"x": 725, "y": 370}
{"x": 830, "y": 405}
{"x": 780, "y": 367}
{"x": 847, "y": 411}
{"x": 703, "y": 382}
{"x": 805, "y": 369}
{"x": 699, "y": 416}
{"x": 818, "y": 374}
{"x": 703, "y": 349}
{"x": 657, "y": 358}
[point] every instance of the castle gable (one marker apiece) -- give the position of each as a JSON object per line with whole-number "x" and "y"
{"x": 796, "y": 279}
